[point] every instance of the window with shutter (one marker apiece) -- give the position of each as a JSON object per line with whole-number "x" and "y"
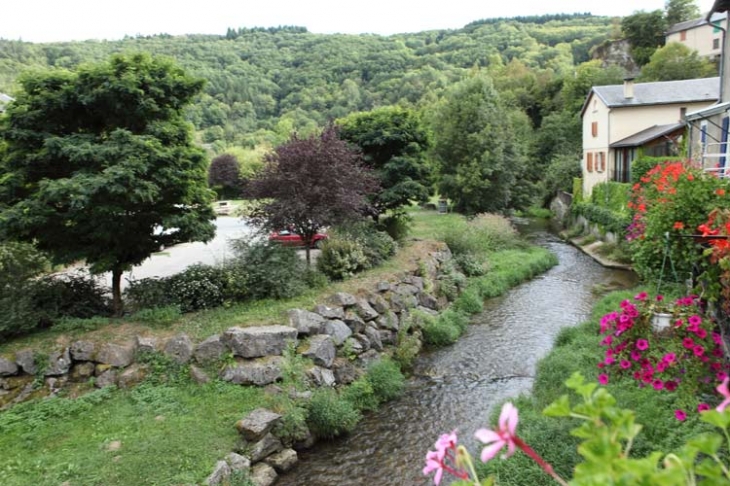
{"x": 589, "y": 161}
{"x": 603, "y": 161}
{"x": 594, "y": 129}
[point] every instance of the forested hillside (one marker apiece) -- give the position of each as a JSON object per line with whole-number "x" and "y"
{"x": 262, "y": 83}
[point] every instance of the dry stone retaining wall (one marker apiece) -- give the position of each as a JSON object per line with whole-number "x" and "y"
{"x": 364, "y": 325}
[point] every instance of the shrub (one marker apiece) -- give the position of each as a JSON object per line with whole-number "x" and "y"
{"x": 272, "y": 271}
{"x": 469, "y": 302}
{"x": 398, "y": 225}
{"x": 439, "y": 332}
{"x": 377, "y": 246}
{"x": 485, "y": 233}
{"x": 341, "y": 258}
{"x": 292, "y": 427}
{"x": 19, "y": 264}
{"x": 361, "y": 394}
{"x": 642, "y": 165}
{"x": 330, "y": 415}
{"x": 408, "y": 345}
{"x": 147, "y": 293}
{"x": 471, "y": 265}
{"x": 70, "y": 296}
{"x": 386, "y": 379}
{"x": 197, "y": 287}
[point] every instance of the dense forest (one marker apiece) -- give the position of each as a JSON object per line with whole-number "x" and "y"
{"x": 262, "y": 84}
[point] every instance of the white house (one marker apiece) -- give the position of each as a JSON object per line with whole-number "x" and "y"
{"x": 704, "y": 35}
{"x": 622, "y": 121}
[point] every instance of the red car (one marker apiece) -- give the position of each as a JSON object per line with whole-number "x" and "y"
{"x": 289, "y": 238}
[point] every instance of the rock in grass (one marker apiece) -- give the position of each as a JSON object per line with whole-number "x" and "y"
{"x": 209, "y": 350}
{"x": 254, "y": 342}
{"x": 306, "y": 322}
{"x": 338, "y": 330}
{"x": 254, "y": 426}
{"x": 237, "y": 462}
{"x": 221, "y": 472}
{"x": 116, "y": 355}
{"x": 59, "y": 363}
{"x": 263, "y": 475}
{"x": 264, "y": 448}
{"x": 258, "y": 372}
{"x": 82, "y": 350}
{"x": 8, "y": 367}
{"x": 321, "y": 350}
{"x": 283, "y": 461}
{"x": 25, "y": 359}
{"x": 179, "y": 348}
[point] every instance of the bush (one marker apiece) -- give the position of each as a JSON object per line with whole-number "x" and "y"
{"x": 272, "y": 271}
{"x": 485, "y": 233}
{"x": 19, "y": 264}
{"x": 361, "y": 394}
{"x": 439, "y": 332}
{"x": 70, "y": 296}
{"x": 608, "y": 220}
{"x": 469, "y": 302}
{"x": 341, "y": 258}
{"x": 197, "y": 287}
{"x": 386, "y": 379}
{"x": 377, "y": 246}
{"x": 643, "y": 164}
{"x": 147, "y": 293}
{"x": 397, "y": 226}
{"x": 330, "y": 415}
{"x": 471, "y": 265}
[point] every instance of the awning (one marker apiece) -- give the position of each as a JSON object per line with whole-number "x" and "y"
{"x": 645, "y": 136}
{"x": 708, "y": 112}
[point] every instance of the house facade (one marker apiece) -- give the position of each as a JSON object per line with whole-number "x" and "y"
{"x": 620, "y": 122}
{"x": 704, "y": 35}
{"x": 709, "y": 142}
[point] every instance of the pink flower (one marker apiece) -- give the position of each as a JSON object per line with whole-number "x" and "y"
{"x": 669, "y": 358}
{"x": 701, "y": 333}
{"x": 642, "y": 344}
{"x": 670, "y": 385}
{"x": 603, "y": 379}
{"x": 635, "y": 355}
{"x": 625, "y": 364}
{"x": 434, "y": 462}
{"x": 702, "y": 407}
{"x": 694, "y": 320}
{"x": 641, "y": 296}
{"x": 688, "y": 343}
{"x": 721, "y": 376}
{"x": 680, "y": 415}
{"x": 698, "y": 350}
{"x": 609, "y": 360}
{"x": 661, "y": 366}
{"x": 717, "y": 338}
{"x": 722, "y": 390}
{"x": 658, "y": 384}
{"x": 494, "y": 440}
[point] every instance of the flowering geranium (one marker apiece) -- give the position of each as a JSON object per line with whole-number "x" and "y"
{"x": 686, "y": 359}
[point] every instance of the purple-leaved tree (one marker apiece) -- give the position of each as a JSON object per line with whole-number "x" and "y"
{"x": 307, "y": 184}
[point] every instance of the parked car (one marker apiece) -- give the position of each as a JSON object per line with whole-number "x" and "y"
{"x": 223, "y": 208}
{"x": 289, "y": 238}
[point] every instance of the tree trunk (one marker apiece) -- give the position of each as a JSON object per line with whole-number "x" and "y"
{"x": 117, "y": 304}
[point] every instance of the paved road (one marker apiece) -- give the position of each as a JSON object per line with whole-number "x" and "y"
{"x": 176, "y": 258}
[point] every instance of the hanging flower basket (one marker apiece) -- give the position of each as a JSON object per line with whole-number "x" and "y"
{"x": 661, "y": 321}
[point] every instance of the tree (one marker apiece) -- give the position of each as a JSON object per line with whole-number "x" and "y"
{"x": 680, "y": 11}
{"x": 224, "y": 177}
{"x": 394, "y": 144}
{"x": 677, "y": 61}
{"x": 307, "y": 184}
{"x": 479, "y": 161}
{"x": 99, "y": 165}
{"x": 645, "y": 33}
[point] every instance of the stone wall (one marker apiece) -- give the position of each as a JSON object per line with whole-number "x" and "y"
{"x": 362, "y": 325}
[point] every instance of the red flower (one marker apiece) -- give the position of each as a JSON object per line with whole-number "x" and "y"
{"x": 720, "y": 192}
{"x": 679, "y": 225}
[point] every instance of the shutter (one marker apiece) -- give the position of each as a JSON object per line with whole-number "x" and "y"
{"x": 589, "y": 161}
{"x": 594, "y": 129}
{"x": 724, "y": 144}
{"x": 603, "y": 161}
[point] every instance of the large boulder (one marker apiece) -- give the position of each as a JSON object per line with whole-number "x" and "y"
{"x": 146, "y": 344}
{"x": 342, "y": 299}
{"x": 321, "y": 350}
{"x": 414, "y": 281}
{"x": 199, "y": 376}
{"x": 345, "y": 371}
{"x": 378, "y": 303}
{"x": 330, "y": 312}
{"x": 220, "y": 474}
{"x": 338, "y": 330}
{"x": 179, "y": 348}
{"x": 373, "y": 336}
{"x": 82, "y": 371}
{"x": 407, "y": 289}
{"x": 82, "y": 350}
{"x": 25, "y": 359}
{"x": 382, "y": 286}
{"x": 263, "y": 475}
{"x": 264, "y": 448}
{"x": 283, "y": 461}
{"x": 59, "y": 363}
{"x": 388, "y": 321}
{"x": 428, "y": 301}
{"x": 106, "y": 378}
{"x": 254, "y": 426}
{"x": 365, "y": 310}
{"x": 306, "y": 322}
{"x": 400, "y": 301}
{"x": 8, "y": 367}
{"x": 116, "y": 355}
{"x": 132, "y": 376}
{"x": 238, "y": 462}
{"x": 258, "y": 372}
{"x": 321, "y": 376}
{"x": 210, "y": 350}
{"x": 354, "y": 321}
{"x": 255, "y": 342}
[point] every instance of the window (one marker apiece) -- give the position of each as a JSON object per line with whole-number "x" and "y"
{"x": 683, "y": 35}
{"x": 589, "y": 161}
{"x": 601, "y": 162}
{"x": 595, "y": 106}
{"x": 715, "y": 44}
{"x": 594, "y": 129}
{"x": 682, "y": 113}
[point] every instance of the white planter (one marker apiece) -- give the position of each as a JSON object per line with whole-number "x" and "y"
{"x": 661, "y": 321}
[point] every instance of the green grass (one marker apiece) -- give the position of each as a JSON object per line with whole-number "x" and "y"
{"x": 577, "y": 349}
{"x": 169, "y": 435}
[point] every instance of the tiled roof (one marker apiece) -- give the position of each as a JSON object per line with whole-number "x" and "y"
{"x": 691, "y": 24}
{"x": 661, "y": 93}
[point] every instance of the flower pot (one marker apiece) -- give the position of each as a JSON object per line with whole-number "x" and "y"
{"x": 661, "y": 321}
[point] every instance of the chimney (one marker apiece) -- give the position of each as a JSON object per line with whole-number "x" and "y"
{"x": 628, "y": 88}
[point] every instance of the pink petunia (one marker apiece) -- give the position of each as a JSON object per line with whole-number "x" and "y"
{"x": 688, "y": 343}
{"x": 658, "y": 384}
{"x": 603, "y": 379}
{"x": 670, "y": 385}
{"x": 625, "y": 364}
{"x": 494, "y": 440}
{"x": 722, "y": 390}
{"x": 641, "y": 296}
{"x": 669, "y": 358}
{"x": 698, "y": 350}
{"x": 680, "y": 415}
{"x": 642, "y": 344}
{"x": 701, "y": 333}
{"x": 636, "y": 355}
{"x": 703, "y": 407}
{"x": 694, "y": 320}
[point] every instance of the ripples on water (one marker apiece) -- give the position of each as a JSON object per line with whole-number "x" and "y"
{"x": 456, "y": 387}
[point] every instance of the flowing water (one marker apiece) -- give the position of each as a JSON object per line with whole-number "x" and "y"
{"x": 457, "y": 386}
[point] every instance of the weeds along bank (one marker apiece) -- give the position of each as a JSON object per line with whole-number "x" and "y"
{"x": 317, "y": 372}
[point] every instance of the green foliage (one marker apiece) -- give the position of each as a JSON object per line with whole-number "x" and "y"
{"x": 408, "y": 344}
{"x": 607, "y": 219}
{"x": 560, "y": 174}
{"x": 158, "y": 316}
{"x": 469, "y": 301}
{"x": 292, "y": 427}
{"x": 377, "y": 246}
{"x": 394, "y": 144}
{"x": 483, "y": 234}
{"x": 471, "y": 265}
{"x": 444, "y": 329}
{"x": 612, "y": 195}
{"x": 272, "y": 271}
{"x": 341, "y": 258}
{"x": 677, "y": 61}
{"x": 19, "y": 264}
{"x": 386, "y": 379}
{"x": 330, "y": 415}
{"x": 577, "y": 190}
{"x": 100, "y": 164}
{"x": 361, "y": 394}
{"x": 645, "y": 33}
{"x": 680, "y": 11}
{"x": 396, "y": 225}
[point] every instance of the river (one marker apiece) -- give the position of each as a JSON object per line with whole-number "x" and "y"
{"x": 455, "y": 388}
